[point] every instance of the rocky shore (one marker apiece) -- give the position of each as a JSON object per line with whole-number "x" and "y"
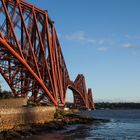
{"x": 61, "y": 119}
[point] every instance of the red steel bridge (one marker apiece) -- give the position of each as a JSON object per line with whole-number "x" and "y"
{"x": 31, "y": 60}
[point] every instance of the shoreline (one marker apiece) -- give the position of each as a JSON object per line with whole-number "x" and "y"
{"x": 117, "y": 105}
{"x": 60, "y": 121}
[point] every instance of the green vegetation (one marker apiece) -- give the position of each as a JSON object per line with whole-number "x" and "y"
{"x": 5, "y": 94}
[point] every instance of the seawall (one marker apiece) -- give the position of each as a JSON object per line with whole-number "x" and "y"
{"x": 13, "y": 103}
{"x": 18, "y": 117}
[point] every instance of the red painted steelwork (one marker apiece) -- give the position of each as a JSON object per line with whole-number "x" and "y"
{"x": 90, "y": 99}
{"x": 31, "y": 60}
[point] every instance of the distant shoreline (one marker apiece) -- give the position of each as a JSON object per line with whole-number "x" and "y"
{"x": 108, "y": 105}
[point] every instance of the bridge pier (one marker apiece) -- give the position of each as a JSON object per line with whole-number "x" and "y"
{"x": 24, "y": 117}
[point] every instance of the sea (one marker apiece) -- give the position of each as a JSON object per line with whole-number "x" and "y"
{"x": 123, "y": 125}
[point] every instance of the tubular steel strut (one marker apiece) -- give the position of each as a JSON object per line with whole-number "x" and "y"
{"x": 31, "y": 60}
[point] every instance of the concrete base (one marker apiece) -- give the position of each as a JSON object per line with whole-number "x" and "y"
{"x": 23, "y": 117}
{"x": 13, "y": 103}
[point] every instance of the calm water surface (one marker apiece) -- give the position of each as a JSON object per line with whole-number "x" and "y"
{"x": 124, "y": 125}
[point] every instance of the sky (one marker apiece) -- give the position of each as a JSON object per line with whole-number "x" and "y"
{"x": 100, "y": 39}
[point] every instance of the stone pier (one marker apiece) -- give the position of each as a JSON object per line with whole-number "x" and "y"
{"x": 18, "y": 117}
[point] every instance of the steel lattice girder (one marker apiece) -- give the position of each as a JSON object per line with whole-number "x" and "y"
{"x": 31, "y": 60}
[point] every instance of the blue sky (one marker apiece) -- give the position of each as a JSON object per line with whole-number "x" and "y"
{"x": 100, "y": 39}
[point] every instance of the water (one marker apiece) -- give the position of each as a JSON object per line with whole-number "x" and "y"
{"x": 124, "y": 125}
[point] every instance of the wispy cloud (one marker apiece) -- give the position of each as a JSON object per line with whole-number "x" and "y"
{"x": 128, "y": 46}
{"x": 132, "y": 36}
{"x": 106, "y": 43}
{"x": 102, "y": 49}
{"x": 82, "y": 37}
{"x": 133, "y": 48}
{"x": 101, "y": 41}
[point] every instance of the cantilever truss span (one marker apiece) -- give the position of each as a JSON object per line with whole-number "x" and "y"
{"x": 31, "y": 60}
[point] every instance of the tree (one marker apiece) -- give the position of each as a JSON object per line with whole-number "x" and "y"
{"x": 5, "y": 94}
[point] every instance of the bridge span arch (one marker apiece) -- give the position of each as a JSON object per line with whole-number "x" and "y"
{"x": 79, "y": 101}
